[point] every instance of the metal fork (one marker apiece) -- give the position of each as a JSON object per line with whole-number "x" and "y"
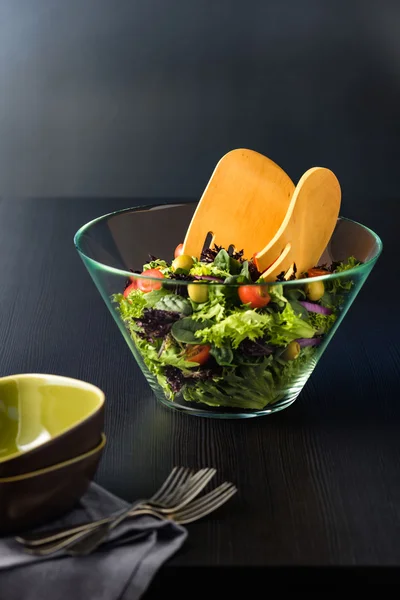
{"x": 192, "y": 512}
{"x": 197, "y": 509}
{"x": 91, "y": 539}
{"x": 180, "y": 487}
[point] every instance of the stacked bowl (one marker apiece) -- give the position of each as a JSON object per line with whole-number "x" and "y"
{"x": 51, "y": 442}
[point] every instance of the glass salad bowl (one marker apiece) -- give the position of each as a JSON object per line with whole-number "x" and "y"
{"x": 209, "y": 339}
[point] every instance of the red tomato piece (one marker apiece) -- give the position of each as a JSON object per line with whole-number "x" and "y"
{"x": 132, "y": 286}
{"x": 317, "y": 272}
{"x": 199, "y": 353}
{"x": 255, "y": 295}
{"x": 178, "y": 250}
{"x": 146, "y": 285}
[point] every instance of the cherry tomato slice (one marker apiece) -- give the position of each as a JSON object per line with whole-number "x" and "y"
{"x": 199, "y": 353}
{"x": 146, "y": 285}
{"x": 178, "y": 250}
{"x": 314, "y": 272}
{"x": 132, "y": 286}
{"x": 256, "y": 296}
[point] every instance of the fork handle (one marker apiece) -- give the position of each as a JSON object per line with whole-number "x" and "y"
{"x": 44, "y": 537}
{"x": 92, "y": 539}
{"x": 68, "y": 542}
{"x": 37, "y": 539}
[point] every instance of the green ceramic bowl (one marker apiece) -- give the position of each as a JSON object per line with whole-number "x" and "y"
{"x": 30, "y": 500}
{"x": 46, "y": 420}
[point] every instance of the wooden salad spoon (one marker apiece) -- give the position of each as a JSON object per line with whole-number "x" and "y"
{"x": 243, "y": 205}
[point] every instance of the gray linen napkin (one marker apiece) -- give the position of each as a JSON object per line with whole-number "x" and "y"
{"x": 121, "y": 569}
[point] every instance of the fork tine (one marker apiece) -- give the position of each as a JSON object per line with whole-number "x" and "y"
{"x": 185, "y": 490}
{"x": 193, "y": 488}
{"x": 166, "y": 483}
{"x": 196, "y": 487}
{"x": 176, "y": 486}
{"x": 204, "y": 500}
{"x": 181, "y": 488}
{"x": 173, "y": 478}
{"x": 190, "y": 516}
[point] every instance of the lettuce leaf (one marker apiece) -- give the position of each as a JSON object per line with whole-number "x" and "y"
{"x": 276, "y": 293}
{"x": 200, "y": 269}
{"x": 339, "y": 284}
{"x": 350, "y": 263}
{"x": 252, "y": 387}
{"x": 160, "y": 264}
{"x": 279, "y": 328}
{"x": 160, "y": 355}
{"x": 131, "y": 307}
{"x": 208, "y": 269}
{"x": 336, "y": 290}
{"x": 235, "y": 328}
{"x": 288, "y": 326}
{"x": 322, "y": 323}
{"x": 172, "y": 356}
{"x": 278, "y": 300}
{"x": 213, "y": 309}
{"x": 149, "y": 356}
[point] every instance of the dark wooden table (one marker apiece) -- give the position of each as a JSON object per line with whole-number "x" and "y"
{"x": 319, "y": 482}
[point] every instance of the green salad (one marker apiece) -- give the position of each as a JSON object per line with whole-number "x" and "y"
{"x": 237, "y": 346}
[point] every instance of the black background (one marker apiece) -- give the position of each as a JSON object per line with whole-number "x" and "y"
{"x": 142, "y": 97}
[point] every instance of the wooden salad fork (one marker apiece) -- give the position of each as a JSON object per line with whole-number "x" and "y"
{"x": 307, "y": 228}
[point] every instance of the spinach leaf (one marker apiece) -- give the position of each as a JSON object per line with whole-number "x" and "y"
{"x": 223, "y": 356}
{"x": 152, "y": 298}
{"x": 226, "y": 263}
{"x": 231, "y": 293}
{"x": 295, "y": 294}
{"x": 222, "y": 260}
{"x": 299, "y": 309}
{"x": 245, "y": 271}
{"x": 184, "y": 330}
{"x": 331, "y": 301}
{"x": 236, "y": 280}
{"x": 235, "y": 266}
{"x": 175, "y": 303}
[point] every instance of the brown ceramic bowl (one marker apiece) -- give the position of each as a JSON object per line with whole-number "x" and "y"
{"x": 46, "y": 420}
{"x": 30, "y": 500}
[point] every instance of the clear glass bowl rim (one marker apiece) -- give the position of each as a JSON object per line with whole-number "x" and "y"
{"x": 126, "y": 274}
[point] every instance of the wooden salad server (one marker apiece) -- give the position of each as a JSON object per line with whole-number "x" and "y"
{"x": 244, "y": 204}
{"x": 307, "y": 227}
